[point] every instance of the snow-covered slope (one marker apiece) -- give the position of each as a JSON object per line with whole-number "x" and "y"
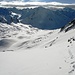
{"x": 26, "y": 50}
{"x": 30, "y": 51}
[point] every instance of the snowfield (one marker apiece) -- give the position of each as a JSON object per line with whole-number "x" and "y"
{"x": 26, "y": 50}
{"x": 30, "y": 51}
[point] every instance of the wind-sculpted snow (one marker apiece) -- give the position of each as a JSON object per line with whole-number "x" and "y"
{"x": 28, "y": 50}
{"x": 25, "y": 50}
{"x": 38, "y": 17}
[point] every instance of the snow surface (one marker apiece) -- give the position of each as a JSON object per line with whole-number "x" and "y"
{"x": 30, "y": 51}
{"x": 25, "y": 50}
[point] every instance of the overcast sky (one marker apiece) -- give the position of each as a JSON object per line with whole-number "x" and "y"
{"x": 64, "y": 1}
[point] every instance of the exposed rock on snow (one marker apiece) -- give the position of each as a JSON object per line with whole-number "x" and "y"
{"x": 69, "y": 26}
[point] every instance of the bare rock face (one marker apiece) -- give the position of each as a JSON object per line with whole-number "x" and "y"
{"x": 7, "y": 17}
{"x": 69, "y": 26}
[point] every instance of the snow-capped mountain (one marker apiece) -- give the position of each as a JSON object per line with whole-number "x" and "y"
{"x": 39, "y": 17}
{"x": 37, "y": 41}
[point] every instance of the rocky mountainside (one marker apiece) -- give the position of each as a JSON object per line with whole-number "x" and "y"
{"x": 39, "y": 17}
{"x": 69, "y": 26}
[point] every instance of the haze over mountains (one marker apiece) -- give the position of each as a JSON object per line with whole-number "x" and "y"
{"x": 42, "y": 16}
{"x": 62, "y": 1}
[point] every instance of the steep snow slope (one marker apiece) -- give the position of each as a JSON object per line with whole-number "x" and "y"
{"x": 32, "y": 51}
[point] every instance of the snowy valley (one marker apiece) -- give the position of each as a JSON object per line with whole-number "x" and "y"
{"x": 37, "y": 41}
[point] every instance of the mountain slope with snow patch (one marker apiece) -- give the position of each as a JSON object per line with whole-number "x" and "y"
{"x": 39, "y": 17}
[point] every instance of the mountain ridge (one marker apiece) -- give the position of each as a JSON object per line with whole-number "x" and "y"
{"x": 39, "y": 17}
